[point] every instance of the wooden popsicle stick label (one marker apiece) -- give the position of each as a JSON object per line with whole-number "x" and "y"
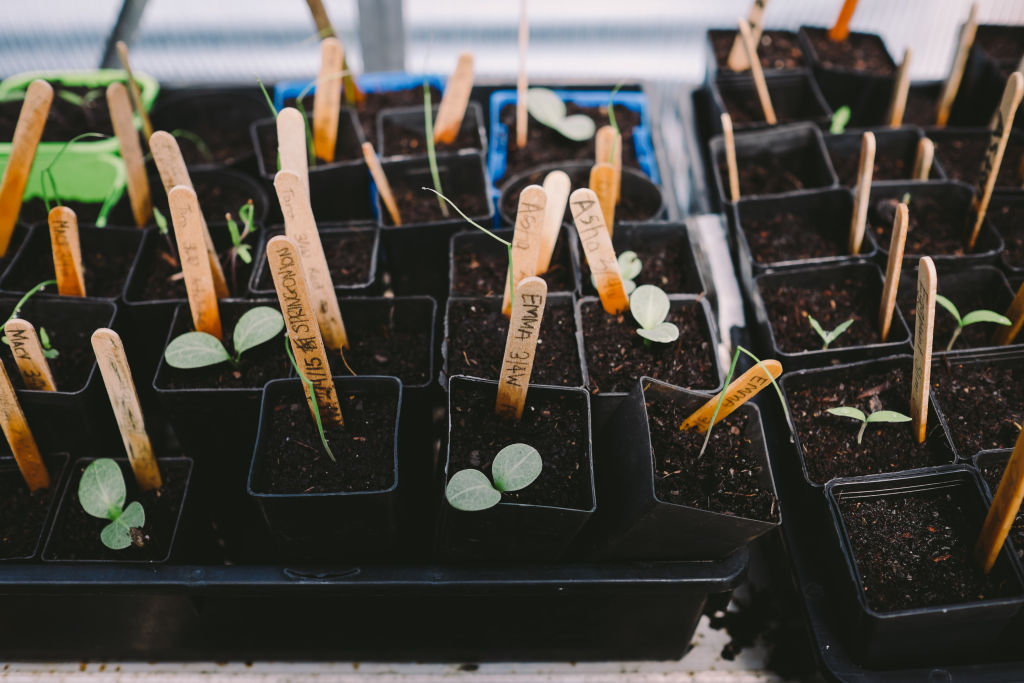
{"x": 901, "y": 87}
{"x": 327, "y": 99}
{"x": 289, "y": 275}
{"x": 760, "y": 85}
{"x": 133, "y": 87}
{"x": 923, "y": 159}
{"x": 454, "y": 101}
{"x": 291, "y": 143}
{"x": 27, "y": 133}
{"x": 19, "y": 437}
{"x": 1003, "y": 511}
{"x": 863, "y": 192}
{"x": 300, "y": 227}
{"x": 999, "y": 135}
{"x": 841, "y": 29}
{"x": 556, "y": 186}
{"x": 608, "y": 149}
{"x": 188, "y": 232}
{"x": 124, "y": 400}
{"x": 522, "y": 119}
{"x": 737, "y": 60}
{"x": 67, "y": 251}
{"x": 730, "y": 158}
{"x": 169, "y": 162}
{"x": 520, "y": 347}
{"x": 131, "y": 151}
{"x": 893, "y": 268}
{"x": 1005, "y": 335}
{"x": 526, "y": 239}
{"x": 383, "y": 186}
{"x": 737, "y": 393}
{"x": 927, "y": 282}
{"x": 323, "y": 24}
{"x": 956, "y": 70}
{"x": 597, "y": 247}
{"x": 28, "y": 355}
{"x": 602, "y": 182}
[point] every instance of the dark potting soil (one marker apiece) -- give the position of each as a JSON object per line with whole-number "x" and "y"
{"x": 831, "y": 300}
{"x": 664, "y": 256}
{"x": 482, "y": 269}
{"x": 375, "y": 102}
{"x": 966, "y": 300}
{"x": 632, "y": 207}
{"x": 257, "y": 366}
{"x": 772, "y": 172}
{"x": 17, "y": 238}
{"x": 1005, "y": 215}
{"x": 937, "y": 224}
{"x": 76, "y": 535}
{"x": 726, "y": 479}
{"x": 34, "y": 211}
{"x": 1001, "y": 43}
{"x": 916, "y": 550}
{"x": 777, "y": 50}
{"x": 162, "y": 271}
{"x": 983, "y": 403}
{"x": 744, "y": 107}
{"x": 789, "y": 235}
{"x": 22, "y": 514}
{"x": 291, "y": 458}
{"x": 346, "y": 147}
{"x": 349, "y": 258}
{"x": 859, "y": 52}
{"x": 921, "y": 108}
{"x": 556, "y": 426}
{"x": 993, "y": 474}
{"x": 417, "y": 205}
{"x": 222, "y": 126}
{"x": 216, "y": 198}
{"x": 545, "y": 145}
{"x": 888, "y": 165}
{"x": 476, "y": 342}
{"x": 66, "y": 118}
{"x": 403, "y": 139}
{"x": 384, "y": 341}
{"x": 106, "y": 260}
{"x": 830, "y": 443}
{"x": 962, "y": 158}
{"x": 616, "y": 356}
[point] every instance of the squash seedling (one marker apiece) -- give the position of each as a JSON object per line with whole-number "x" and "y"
{"x": 199, "y": 349}
{"x": 629, "y": 267}
{"x": 649, "y": 306}
{"x": 549, "y": 110}
{"x": 514, "y": 468}
{"x": 865, "y": 420}
{"x": 840, "y": 119}
{"x": 102, "y": 494}
{"x": 827, "y": 337}
{"x": 971, "y": 318}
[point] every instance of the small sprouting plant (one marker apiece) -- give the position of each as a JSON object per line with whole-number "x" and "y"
{"x": 515, "y": 467}
{"x": 312, "y": 397}
{"x": 614, "y": 124}
{"x": 44, "y": 338}
{"x": 198, "y": 141}
{"x": 266, "y": 96}
{"x": 978, "y": 316}
{"x": 549, "y": 110}
{"x": 906, "y": 199}
{"x": 428, "y": 128}
{"x": 238, "y": 249}
{"x": 49, "y": 182}
{"x": 199, "y": 349}
{"x": 629, "y": 267}
{"x": 102, "y": 494}
{"x": 877, "y": 416}
{"x": 840, "y": 119}
{"x": 86, "y": 100}
{"x": 649, "y": 306}
{"x": 827, "y": 337}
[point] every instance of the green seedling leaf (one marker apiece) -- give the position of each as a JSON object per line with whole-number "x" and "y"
{"x": 949, "y": 306}
{"x": 471, "y": 491}
{"x": 983, "y": 316}
{"x": 578, "y": 127}
{"x": 849, "y": 412}
{"x": 545, "y": 106}
{"x": 515, "y": 467}
{"x": 195, "y": 350}
{"x": 828, "y": 337}
{"x": 101, "y": 490}
{"x": 256, "y": 326}
{"x": 160, "y": 220}
{"x": 629, "y": 265}
{"x": 887, "y": 416}
{"x": 664, "y": 333}
{"x": 118, "y": 534}
{"x": 649, "y": 306}
{"x": 840, "y": 120}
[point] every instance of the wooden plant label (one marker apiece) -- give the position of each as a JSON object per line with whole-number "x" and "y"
{"x": 195, "y": 265}
{"x": 841, "y": 30}
{"x": 522, "y": 118}
{"x": 291, "y": 143}
{"x": 737, "y": 60}
{"x": 758, "y": 73}
{"x": 67, "y": 251}
{"x": 863, "y": 192}
{"x": 454, "y": 101}
{"x": 1002, "y": 512}
{"x": 131, "y": 151}
{"x": 999, "y": 134}
{"x": 300, "y": 227}
{"x": 901, "y": 87}
{"x": 892, "y": 270}
{"x": 923, "y": 159}
{"x": 602, "y": 182}
{"x": 925, "y": 327}
{"x": 526, "y": 239}
{"x": 169, "y": 162}
{"x": 383, "y": 186}
{"x": 556, "y": 186}
{"x": 737, "y": 393}
{"x": 323, "y": 24}
{"x": 133, "y": 88}
{"x": 19, "y": 437}
{"x": 28, "y": 354}
{"x": 286, "y": 267}
{"x": 327, "y": 99}
{"x": 956, "y": 70}
{"x": 608, "y": 149}
{"x": 27, "y": 133}
{"x": 730, "y": 158}
{"x": 1005, "y": 335}
{"x": 597, "y": 246}
{"x": 124, "y": 400}
{"x": 520, "y": 347}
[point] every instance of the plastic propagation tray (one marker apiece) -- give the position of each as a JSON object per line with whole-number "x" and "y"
{"x": 381, "y": 81}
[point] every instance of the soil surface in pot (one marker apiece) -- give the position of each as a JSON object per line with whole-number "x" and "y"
{"x": 482, "y": 269}
{"x": 830, "y": 443}
{"x": 216, "y": 198}
{"x": 744, "y": 107}
{"x": 789, "y": 235}
{"x": 916, "y": 550}
{"x": 417, "y": 205}
{"x": 215, "y": 126}
{"x": 616, "y": 356}
{"x": 632, "y": 207}
{"x": 937, "y": 224}
{"x": 777, "y": 50}
{"x": 889, "y": 165}
{"x": 162, "y": 271}
{"x": 106, "y": 260}
{"x": 476, "y": 342}
{"x": 292, "y": 458}
{"x": 375, "y": 102}
{"x": 859, "y": 52}
{"x": 73, "y": 111}
{"x": 406, "y": 140}
{"x": 17, "y": 238}
{"x": 556, "y": 426}
{"x": 76, "y": 535}
{"x": 921, "y": 108}
{"x": 34, "y": 211}
{"x": 544, "y": 145}
{"x": 983, "y": 403}
{"x": 22, "y": 514}
{"x": 725, "y": 479}
{"x": 993, "y": 471}
{"x": 772, "y": 172}
{"x": 1001, "y": 43}
{"x": 966, "y": 299}
{"x": 349, "y": 259}
{"x": 665, "y": 258}
{"x": 384, "y": 341}
{"x": 962, "y": 157}
{"x": 1006, "y": 215}
{"x": 346, "y": 146}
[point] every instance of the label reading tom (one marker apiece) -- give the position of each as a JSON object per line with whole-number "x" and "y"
{"x": 520, "y": 347}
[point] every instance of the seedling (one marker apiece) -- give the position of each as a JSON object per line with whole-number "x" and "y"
{"x": 828, "y": 337}
{"x": 877, "y": 416}
{"x": 428, "y": 127}
{"x": 238, "y": 249}
{"x": 199, "y": 349}
{"x": 44, "y": 337}
{"x": 514, "y": 468}
{"x": 85, "y": 101}
{"x": 312, "y": 397}
{"x": 840, "y": 120}
{"x": 614, "y": 124}
{"x": 49, "y": 183}
{"x": 549, "y": 109}
{"x": 649, "y": 306}
{"x": 629, "y": 267}
{"x": 266, "y": 96}
{"x": 102, "y": 494}
{"x": 978, "y": 316}
{"x": 199, "y": 142}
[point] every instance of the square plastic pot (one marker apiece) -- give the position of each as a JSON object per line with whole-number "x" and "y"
{"x": 774, "y": 48}
{"x": 968, "y": 171}
{"x": 895, "y": 151}
{"x": 373, "y": 82}
{"x": 219, "y": 190}
{"x": 26, "y": 527}
{"x": 1005, "y": 212}
{"x": 795, "y": 97}
{"x": 407, "y": 122}
{"x": 995, "y": 460}
{"x": 347, "y": 148}
{"x": 82, "y": 178}
{"x": 468, "y": 248}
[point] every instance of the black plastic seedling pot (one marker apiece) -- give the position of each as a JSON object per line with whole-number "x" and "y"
{"x": 350, "y": 279}
{"x": 1005, "y": 212}
{"x": 780, "y": 53}
{"x": 478, "y": 264}
{"x": 942, "y": 632}
{"x": 323, "y": 525}
{"x": 515, "y": 530}
{"x": 75, "y": 536}
{"x": 219, "y": 191}
{"x": 991, "y": 465}
{"x": 347, "y": 148}
{"x": 400, "y": 132}
{"x": 26, "y": 515}
{"x": 895, "y": 151}
{"x": 795, "y": 97}
{"x": 637, "y": 520}
{"x": 961, "y": 152}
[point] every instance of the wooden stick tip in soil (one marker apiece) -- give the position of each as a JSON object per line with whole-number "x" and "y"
{"x": 840, "y": 31}
{"x": 1006, "y": 335}
{"x": 454, "y": 101}
{"x": 923, "y": 159}
{"x": 602, "y": 182}
{"x": 526, "y": 241}
{"x": 737, "y": 60}
{"x": 520, "y": 347}
{"x": 522, "y": 83}
{"x": 67, "y": 251}
{"x": 608, "y": 148}
{"x": 190, "y": 233}
{"x": 170, "y": 164}
{"x": 901, "y": 87}
{"x": 730, "y": 158}
{"x": 892, "y": 270}
{"x": 28, "y": 355}
{"x": 133, "y": 88}
{"x": 863, "y": 192}
{"x": 924, "y": 330}
{"x": 557, "y": 186}
{"x": 739, "y": 391}
{"x": 124, "y": 400}
{"x": 27, "y": 133}
{"x": 598, "y": 249}
{"x": 19, "y": 436}
{"x": 1004, "y": 508}
{"x": 291, "y": 143}
{"x": 760, "y": 85}
{"x": 956, "y": 70}
{"x": 327, "y": 99}
{"x": 387, "y": 195}
{"x": 131, "y": 151}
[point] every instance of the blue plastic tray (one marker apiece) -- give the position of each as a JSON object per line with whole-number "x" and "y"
{"x": 381, "y": 81}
